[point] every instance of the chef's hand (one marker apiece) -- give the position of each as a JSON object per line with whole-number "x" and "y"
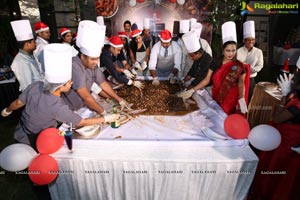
{"x": 138, "y": 66}
{"x": 103, "y": 113}
{"x": 124, "y": 104}
{"x": 144, "y": 65}
{"x": 155, "y": 81}
{"x": 111, "y": 118}
{"x": 243, "y": 105}
{"x": 171, "y": 78}
{"x": 5, "y": 113}
{"x": 128, "y": 74}
{"x": 186, "y": 94}
{"x": 138, "y": 84}
{"x": 134, "y": 72}
{"x": 285, "y": 83}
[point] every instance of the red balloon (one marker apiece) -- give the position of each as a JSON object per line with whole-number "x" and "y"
{"x": 43, "y": 169}
{"x": 236, "y": 126}
{"x": 49, "y": 141}
{"x": 172, "y": 1}
{"x": 140, "y": 1}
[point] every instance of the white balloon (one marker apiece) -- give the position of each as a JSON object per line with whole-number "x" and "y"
{"x": 17, "y": 157}
{"x": 132, "y": 3}
{"x": 264, "y": 137}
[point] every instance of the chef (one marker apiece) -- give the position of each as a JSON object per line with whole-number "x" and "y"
{"x": 165, "y": 58}
{"x": 44, "y": 105}
{"x": 43, "y": 37}
{"x": 25, "y": 65}
{"x": 109, "y": 58}
{"x": 86, "y": 75}
{"x": 250, "y": 54}
{"x": 197, "y": 75}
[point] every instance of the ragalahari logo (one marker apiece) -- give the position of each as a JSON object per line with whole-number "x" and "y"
{"x": 245, "y": 8}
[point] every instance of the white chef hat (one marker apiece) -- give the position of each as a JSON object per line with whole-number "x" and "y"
{"x": 192, "y": 22}
{"x": 91, "y": 39}
{"x": 228, "y": 32}
{"x": 147, "y": 23}
{"x": 184, "y": 26}
{"x": 197, "y": 27}
{"x": 58, "y": 63}
{"x": 80, "y": 30}
{"x": 249, "y": 29}
{"x": 298, "y": 63}
{"x": 191, "y": 41}
{"x": 22, "y": 30}
{"x": 100, "y": 20}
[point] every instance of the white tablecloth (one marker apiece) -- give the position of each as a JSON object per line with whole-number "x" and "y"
{"x": 168, "y": 164}
{"x": 280, "y": 55}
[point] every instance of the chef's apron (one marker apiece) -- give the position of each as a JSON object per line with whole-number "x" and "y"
{"x": 165, "y": 65}
{"x": 140, "y": 57}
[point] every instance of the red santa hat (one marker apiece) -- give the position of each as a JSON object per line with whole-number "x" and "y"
{"x": 122, "y": 34}
{"x": 115, "y": 41}
{"x": 40, "y": 27}
{"x": 135, "y": 33}
{"x": 63, "y": 31}
{"x": 165, "y": 36}
{"x": 285, "y": 67}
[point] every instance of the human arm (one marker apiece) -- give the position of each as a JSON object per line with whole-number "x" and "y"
{"x": 241, "y": 91}
{"x": 15, "y": 105}
{"x": 177, "y": 57}
{"x": 259, "y": 64}
{"x": 205, "y": 81}
{"x": 89, "y": 100}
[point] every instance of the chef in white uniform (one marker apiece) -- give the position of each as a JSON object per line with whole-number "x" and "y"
{"x": 165, "y": 58}
{"x": 25, "y": 65}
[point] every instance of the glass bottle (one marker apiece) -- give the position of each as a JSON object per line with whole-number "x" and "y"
{"x": 116, "y": 123}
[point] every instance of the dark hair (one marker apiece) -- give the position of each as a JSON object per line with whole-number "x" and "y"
{"x": 61, "y": 39}
{"x": 21, "y": 44}
{"x": 127, "y": 22}
{"x": 228, "y": 43}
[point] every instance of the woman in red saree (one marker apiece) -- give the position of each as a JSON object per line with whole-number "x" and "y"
{"x": 231, "y": 81}
{"x": 278, "y": 172}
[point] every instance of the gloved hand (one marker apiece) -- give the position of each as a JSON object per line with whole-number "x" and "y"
{"x": 171, "y": 78}
{"x": 144, "y": 65}
{"x": 186, "y": 94}
{"x": 296, "y": 149}
{"x": 285, "y": 83}
{"x": 96, "y": 88}
{"x": 134, "y": 72}
{"x": 138, "y": 66}
{"x": 124, "y": 104}
{"x": 155, "y": 81}
{"x": 111, "y": 118}
{"x": 104, "y": 113}
{"x": 128, "y": 74}
{"x": 138, "y": 84}
{"x": 4, "y": 113}
{"x": 243, "y": 105}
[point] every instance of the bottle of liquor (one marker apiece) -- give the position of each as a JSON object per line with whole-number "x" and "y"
{"x": 116, "y": 123}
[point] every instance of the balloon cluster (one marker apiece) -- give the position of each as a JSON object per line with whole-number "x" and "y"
{"x": 262, "y": 137}
{"x": 42, "y": 168}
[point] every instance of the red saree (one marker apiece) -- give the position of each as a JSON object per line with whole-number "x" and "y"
{"x": 225, "y": 85}
{"x": 268, "y": 186}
